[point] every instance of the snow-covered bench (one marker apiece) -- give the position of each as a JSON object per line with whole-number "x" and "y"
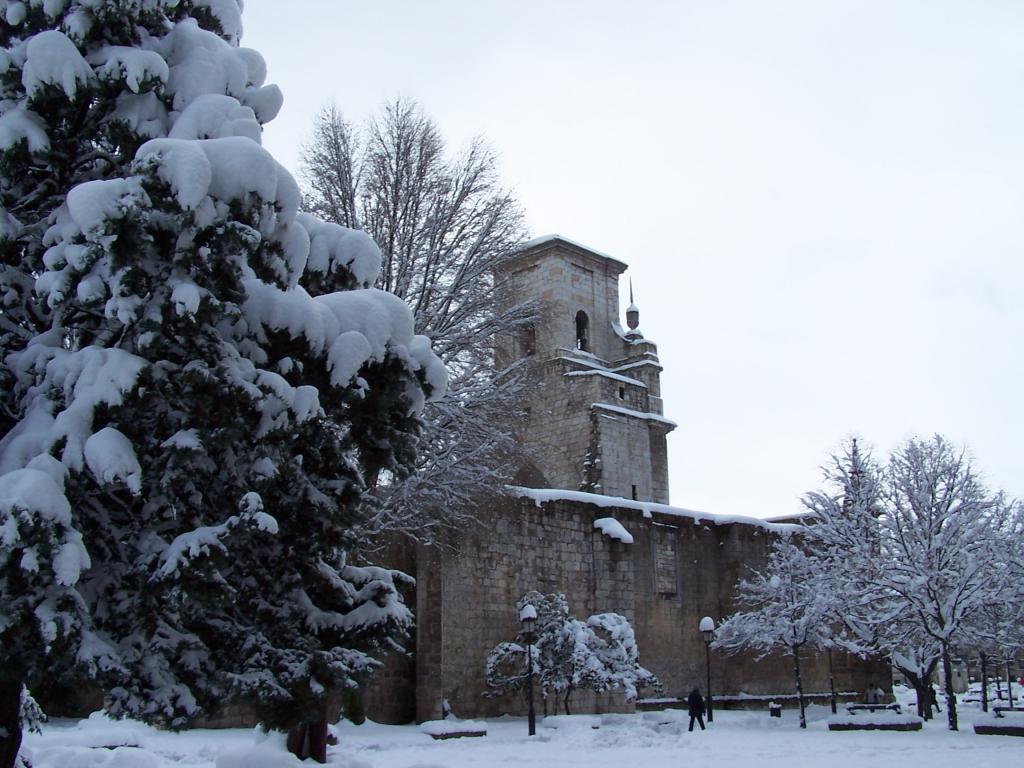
{"x": 855, "y": 708}
{"x": 1004, "y": 721}
{"x": 884, "y": 719}
{"x": 998, "y": 710}
{"x": 453, "y": 729}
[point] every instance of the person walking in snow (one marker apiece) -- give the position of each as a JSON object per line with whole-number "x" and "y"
{"x": 933, "y": 698}
{"x": 696, "y": 704}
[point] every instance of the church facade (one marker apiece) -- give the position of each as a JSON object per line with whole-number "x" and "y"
{"x": 596, "y": 430}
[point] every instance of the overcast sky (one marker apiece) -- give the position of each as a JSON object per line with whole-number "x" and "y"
{"x": 821, "y": 203}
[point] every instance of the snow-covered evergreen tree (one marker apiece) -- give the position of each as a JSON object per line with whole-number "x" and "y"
{"x": 598, "y": 654}
{"x": 187, "y": 432}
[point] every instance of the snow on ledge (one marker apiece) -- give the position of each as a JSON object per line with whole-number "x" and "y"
{"x": 608, "y": 375}
{"x": 542, "y": 496}
{"x": 612, "y": 528}
{"x": 635, "y": 414}
{"x": 638, "y": 364}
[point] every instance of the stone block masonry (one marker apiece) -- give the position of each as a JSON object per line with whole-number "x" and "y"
{"x": 681, "y": 566}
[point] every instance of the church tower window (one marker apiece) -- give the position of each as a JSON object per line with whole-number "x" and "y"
{"x": 582, "y": 331}
{"x": 527, "y": 340}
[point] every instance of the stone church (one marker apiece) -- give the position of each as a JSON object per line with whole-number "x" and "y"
{"x": 597, "y": 431}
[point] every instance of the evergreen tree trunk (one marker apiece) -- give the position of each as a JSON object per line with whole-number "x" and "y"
{"x": 799, "y": 686}
{"x": 1009, "y": 682}
{"x": 308, "y": 740}
{"x": 568, "y": 695}
{"x": 10, "y": 722}
{"x": 947, "y": 671}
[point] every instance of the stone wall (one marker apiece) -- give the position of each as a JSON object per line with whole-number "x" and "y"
{"x": 473, "y": 592}
{"x": 558, "y": 425}
{"x": 625, "y": 471}
{"x": 390, "y": 693}
{"x": 678, "y": 569}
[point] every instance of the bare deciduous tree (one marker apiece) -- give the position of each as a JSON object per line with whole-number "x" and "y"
{"x": 443, "y": 224}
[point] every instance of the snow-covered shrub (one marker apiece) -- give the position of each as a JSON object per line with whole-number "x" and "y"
{"x": 599, "y": 654}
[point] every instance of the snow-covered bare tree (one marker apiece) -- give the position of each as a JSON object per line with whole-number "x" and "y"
{"x": 843, "y": 532}
{"x": 785, "y": 609}
{"x": 996, "y": 629}
{"x": 443, "y": 224}
{"x": 187, "y": 432}
{"x": 929, "y": 555}
{"x": 598, "y": 654}
{"x": 940, "y": 535}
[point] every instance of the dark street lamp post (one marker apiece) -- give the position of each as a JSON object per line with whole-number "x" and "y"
{"x": 831, "y": 681}
{"x": 528, "y": 618}
{"x": 984, "y": 683}
{"x": 707, "y": 628}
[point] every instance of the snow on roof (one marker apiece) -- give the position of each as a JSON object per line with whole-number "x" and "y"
{"x": 635, "y": 414}
{"x": 612, "y": 528}
{"x": 541, "y": 496}
{"x": 630, "y": 337}
{"x": 555, "y": 238}
{"x": 792, "y": 517}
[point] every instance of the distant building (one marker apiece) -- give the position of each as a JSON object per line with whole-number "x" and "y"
{"x": 597, "y": 433}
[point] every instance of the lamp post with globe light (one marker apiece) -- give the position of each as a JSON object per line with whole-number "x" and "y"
{"x": 528, "y": 618}
{"x": 707, "y": 628}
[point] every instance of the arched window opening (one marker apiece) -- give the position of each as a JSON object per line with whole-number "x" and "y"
{"x": 582, "y": 331}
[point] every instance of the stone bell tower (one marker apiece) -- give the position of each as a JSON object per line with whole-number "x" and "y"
{"x": 596, "y": 423}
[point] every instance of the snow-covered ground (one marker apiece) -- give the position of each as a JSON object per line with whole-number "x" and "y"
{"x": 650, "y": 740}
